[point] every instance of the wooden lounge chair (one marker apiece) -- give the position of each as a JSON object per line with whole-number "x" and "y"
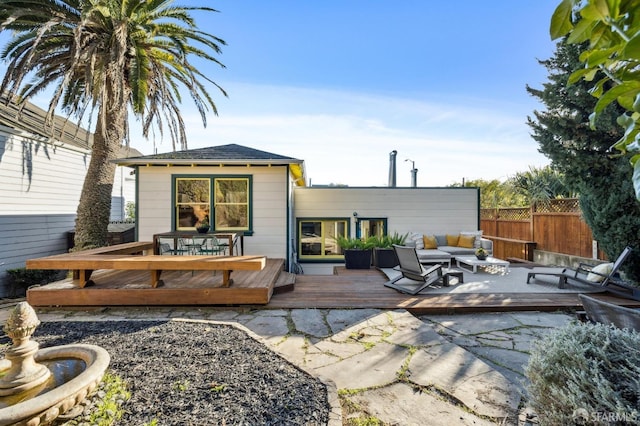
{"x": 411, "y": 268}
{"x": 587, "y": 274}
{"x": 610, "y": 314}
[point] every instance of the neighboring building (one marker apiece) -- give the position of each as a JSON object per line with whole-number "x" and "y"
{"x": 263, "y": 196}
{"x": 42, "y": 172}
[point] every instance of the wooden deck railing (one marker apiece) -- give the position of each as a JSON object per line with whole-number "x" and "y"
{"x": 508, "y": 248}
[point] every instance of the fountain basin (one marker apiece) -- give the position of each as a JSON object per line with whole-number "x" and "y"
{"x": 48, "y": 405}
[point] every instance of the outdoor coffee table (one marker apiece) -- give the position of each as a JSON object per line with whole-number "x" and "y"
{"x": 473, "y": 263}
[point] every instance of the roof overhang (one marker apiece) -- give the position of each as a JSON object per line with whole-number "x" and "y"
{"x": 296, "y": 167}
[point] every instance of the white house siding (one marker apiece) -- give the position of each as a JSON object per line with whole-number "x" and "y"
{"x": 124, "y": 191}
{"x": 41, "y": 186}
{"x": 269, "y": 204}
{"x": 124, "y": 187}
{"x": 426, "y": 210}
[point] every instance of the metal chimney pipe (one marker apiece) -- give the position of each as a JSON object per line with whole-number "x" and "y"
{"x": 392, "y": 168}
{"x": 414, "y": 173}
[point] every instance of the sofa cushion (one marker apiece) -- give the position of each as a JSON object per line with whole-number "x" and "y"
{"x": 441, "y": 239}
{"x": 457, "y": 251}
{"x": 602, "y": 269}
{"x": 467, "y": 241}
{"x": 432, "y": 254}
{"x": 430, "y": 242}
{"x": 417, "y": 239}
{"x": 452, "y": 240}
{"x": 477, "y": 235}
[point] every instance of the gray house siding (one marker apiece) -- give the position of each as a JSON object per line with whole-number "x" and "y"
{"x": 41, "y": 184}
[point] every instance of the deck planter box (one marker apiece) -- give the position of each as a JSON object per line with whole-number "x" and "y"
{"x": 384, "y": 258}
{"x": 357, "y": 259}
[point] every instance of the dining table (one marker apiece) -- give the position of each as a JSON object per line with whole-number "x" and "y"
{"x": 235, "y": 240}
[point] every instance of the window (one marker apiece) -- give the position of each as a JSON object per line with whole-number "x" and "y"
{"x": 368, "y": 227}
{"x": 232, "y": 203}
{"x": 227, "y": 210}
{"x": 192, "y": 201}
{"x": 317, "y": 238}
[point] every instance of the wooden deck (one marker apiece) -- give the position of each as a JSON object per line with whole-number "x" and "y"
{"x": 266, "y": 289}
{"x": 365, "y": 289}
{"x": 131, "y": 288}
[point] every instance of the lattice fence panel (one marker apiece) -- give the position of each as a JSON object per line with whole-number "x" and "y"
{"x": 488, "y": 214}
{"x": 515, "y": 213}
{"x": 561, "y": 205}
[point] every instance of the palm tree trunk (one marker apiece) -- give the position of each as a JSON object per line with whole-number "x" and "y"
{"x": 94, "y": 209}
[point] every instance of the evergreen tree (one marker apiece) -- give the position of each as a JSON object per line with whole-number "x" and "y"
{"x": 583, "y": 155}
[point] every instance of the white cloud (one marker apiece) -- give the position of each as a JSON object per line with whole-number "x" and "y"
{"x": 347, "y": 137}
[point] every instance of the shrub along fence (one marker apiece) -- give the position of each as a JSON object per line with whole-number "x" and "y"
{"x": 554, "y": 225}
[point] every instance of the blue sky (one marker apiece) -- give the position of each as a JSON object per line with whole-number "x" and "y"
{"x": 340, "y": 84}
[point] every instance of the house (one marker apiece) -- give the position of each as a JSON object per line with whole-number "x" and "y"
{"x": 264, "y": 197}
{"x": 42, "y": 172}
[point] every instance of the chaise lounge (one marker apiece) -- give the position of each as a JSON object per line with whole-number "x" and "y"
{"x": 601, "y": 276}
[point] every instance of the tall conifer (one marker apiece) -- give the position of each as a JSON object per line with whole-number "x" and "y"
{"x": 583, "y": 155}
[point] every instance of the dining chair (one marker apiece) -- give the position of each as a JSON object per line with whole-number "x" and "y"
{"x": 211, "y": 245}
{"x": 173, "y": 246}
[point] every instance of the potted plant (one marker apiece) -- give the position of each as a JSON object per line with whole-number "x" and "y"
{"x": 357, "y": 252}
{"x": 203, "y": 225}
{"x": 383, "y": 254}
{"x": 481, "y": 253}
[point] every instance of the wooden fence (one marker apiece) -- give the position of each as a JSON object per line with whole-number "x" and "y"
{"x": 555, "y": 225}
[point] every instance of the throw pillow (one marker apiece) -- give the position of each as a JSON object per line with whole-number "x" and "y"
{"x": 417, "y": 238}
{"x": 478, "y": 237}
{"x": 452, "y": 240}
{"x": 467, "y": 241}
{"x": 430, "y": 242}
{"x": 603, "y": 269}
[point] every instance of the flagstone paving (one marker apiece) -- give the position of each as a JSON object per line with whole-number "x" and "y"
{"x": 389, "y": 365}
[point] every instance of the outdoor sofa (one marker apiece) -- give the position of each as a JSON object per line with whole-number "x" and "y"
{"x": 441, "y": 248}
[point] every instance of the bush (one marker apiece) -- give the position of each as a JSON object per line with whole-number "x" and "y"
{"x": 21, "y": 278}
{"x": 585, "y": 374}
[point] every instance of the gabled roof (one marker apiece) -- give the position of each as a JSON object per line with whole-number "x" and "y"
{"x": 32, "y": 119}
{"x": 222, "y": 155}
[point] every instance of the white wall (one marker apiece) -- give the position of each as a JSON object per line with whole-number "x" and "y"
{"x": 39, "y": 194}
{"x": 124, "y": 191}
{"x": 426, "y": 210}
{"x": 38, "y": 177}
{"x": 269, "y": 204}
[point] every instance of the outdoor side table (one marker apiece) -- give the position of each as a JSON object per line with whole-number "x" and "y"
{"x": 451, "y": 273}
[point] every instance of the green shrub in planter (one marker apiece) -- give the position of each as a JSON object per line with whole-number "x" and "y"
{"x": 20, "y": 279}
{"x": 383, "y": 254}
{"x": 357, "y": 252}
{"x": 585, "y": 374}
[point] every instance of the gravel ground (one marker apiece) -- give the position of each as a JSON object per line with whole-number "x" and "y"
{"x": 184, "y": 373}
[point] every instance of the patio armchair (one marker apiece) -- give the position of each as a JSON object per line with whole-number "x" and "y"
{"x": 411, "y": 268}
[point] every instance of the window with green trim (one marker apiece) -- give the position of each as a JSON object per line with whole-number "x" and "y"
{"x": 227, "y": 210}
{"x": 231, "y": 203}
{"x": 192, "y": 201}
{"x": 317, "y": 238}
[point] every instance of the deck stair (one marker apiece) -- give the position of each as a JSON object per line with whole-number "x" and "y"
{"x": 286, "y": 282}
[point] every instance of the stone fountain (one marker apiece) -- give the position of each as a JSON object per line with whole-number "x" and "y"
{"x": 37, "y": 386}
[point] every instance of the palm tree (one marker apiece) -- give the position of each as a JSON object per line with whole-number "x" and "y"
{"x": 104, "y": 57}
{"x": 541, "y": 184}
